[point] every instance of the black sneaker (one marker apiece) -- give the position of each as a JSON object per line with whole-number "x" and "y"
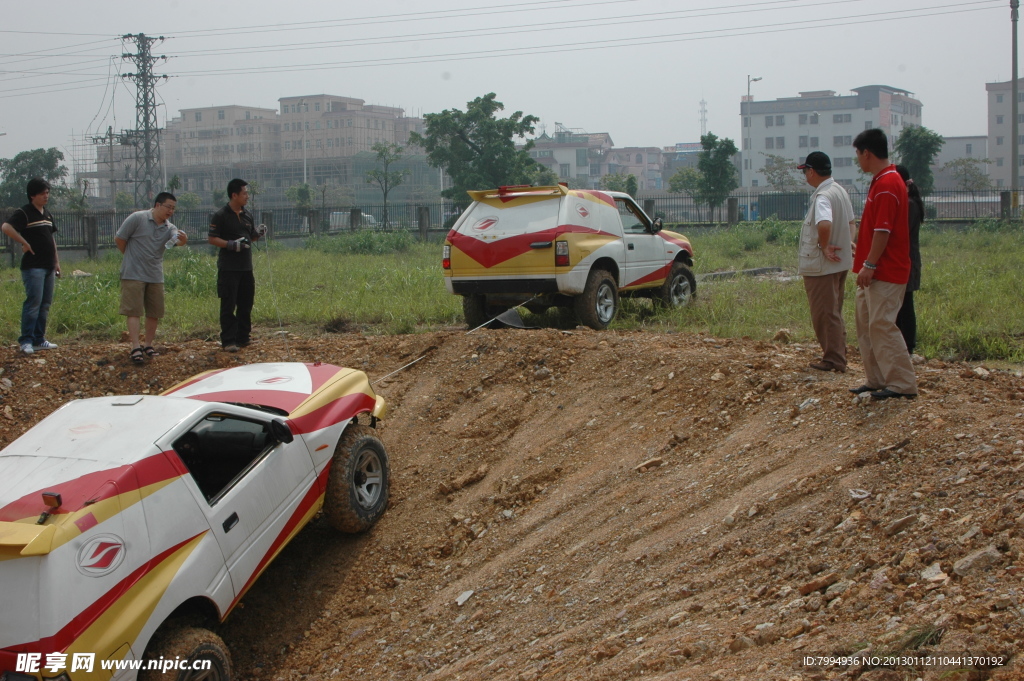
{"x": 862, "y": 389}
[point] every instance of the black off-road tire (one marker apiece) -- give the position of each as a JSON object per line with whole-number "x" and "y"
{"x": 680, "y": 287}
{"x": 359, "y": 481}
{"x": 597, "y": 305}
{"x": 474, "y": 309}
{"x": 189, "y": 644}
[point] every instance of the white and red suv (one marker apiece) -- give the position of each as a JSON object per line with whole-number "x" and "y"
{"x": 128, "y": 522}
{"x": 561, "y": 246}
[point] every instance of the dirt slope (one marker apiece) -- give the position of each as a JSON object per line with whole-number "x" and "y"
{"x": 516, "y": 460}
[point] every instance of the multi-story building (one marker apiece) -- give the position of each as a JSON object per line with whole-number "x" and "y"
{"x": 975, "y": 147}
{"x": 821, "y": 120}
{"x": 585, "y": 158}
{"x": 313, "y": 138}
{"x": 1000, "y": 130}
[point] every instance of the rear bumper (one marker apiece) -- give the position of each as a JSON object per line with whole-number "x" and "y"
{"x": 467, "y": 287}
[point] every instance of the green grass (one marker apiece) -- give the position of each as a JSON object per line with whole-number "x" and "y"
{"x": 969, "y": 307}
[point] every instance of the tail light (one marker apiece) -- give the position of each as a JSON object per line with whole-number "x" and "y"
{"x": 561, "y": 254}
{"x": 446, "y": 257}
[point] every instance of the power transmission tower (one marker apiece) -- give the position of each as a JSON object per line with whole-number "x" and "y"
{"x": 146, "y": 136}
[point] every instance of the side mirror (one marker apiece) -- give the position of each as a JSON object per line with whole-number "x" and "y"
{"x": 656, "y": 226}
{"x": 280, "y": 431}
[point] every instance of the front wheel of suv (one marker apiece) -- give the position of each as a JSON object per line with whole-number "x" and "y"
{"x": 680, "y": 287}
{"x": 597, "y": 305}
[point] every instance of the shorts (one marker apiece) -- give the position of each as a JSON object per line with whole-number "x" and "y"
{"x": 139, "y": 296}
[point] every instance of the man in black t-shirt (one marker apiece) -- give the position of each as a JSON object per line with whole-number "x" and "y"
{"x": 31, "y": 226}
{"x": 233, "y": 232}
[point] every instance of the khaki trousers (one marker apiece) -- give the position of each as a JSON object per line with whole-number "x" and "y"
{"x": 825, "y": 296}
{"x": 882, "y": 348}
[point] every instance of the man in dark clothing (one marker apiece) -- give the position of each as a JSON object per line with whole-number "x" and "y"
{"x": 32, "y": 227}
{"x": 233, "y": 232}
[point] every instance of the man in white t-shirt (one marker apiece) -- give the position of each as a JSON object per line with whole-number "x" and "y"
{"x": 826, "y": 255}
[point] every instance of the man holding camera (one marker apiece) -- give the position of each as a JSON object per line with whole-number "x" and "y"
{"x": 232, "y": 231}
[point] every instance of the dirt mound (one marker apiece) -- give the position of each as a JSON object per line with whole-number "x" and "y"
{"x": 610, "y": 505}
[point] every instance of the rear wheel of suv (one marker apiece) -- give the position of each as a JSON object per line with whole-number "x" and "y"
{"x": 359, "y": 481}
{"x": 188, "y": 646}
{"x": 597, "y": 305}
{"x": 680, "y": 286}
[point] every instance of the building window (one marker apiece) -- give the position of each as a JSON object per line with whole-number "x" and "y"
{"x": 780, "y": 142}
{"x": 307, "y": 143}
{"x": 199, "y": 116}
{"x": 814, "y": 119}
{"x": 780, "y": 120}
{"x": 746, "y": 142}
{"x": 746, "y": 164}
{"x": 316, "y": 107}
{"x": 803, "y": 119}
{"x": 969, "y": 147}
{"x": 753, "y": 183}
{"x": 318, "y": 125}
{"x": 595, "y": 169}
{"x": 639, "y": 158}
{"x": 746, "y": 121}
{"x": 999, "y": 162}
{"x": 843, "y": 162}
{"x": 814, "y": 142}
{"x": 581, "y": 158}
{"x": 842, "y": 141}
{"x": 1020, "y": 140}
{"x": 563, "y": 170}
{"x": 802, "y": 142}
{"x": 769, "y": 142}
{"x": 999, "y": 184}
{"x": 999, "y": 120}
{"x": 287, "y": 146}
{"x": 769, "y": 121}
{"x": 319, "y": 144}
{"x": 349, "y": 140}
{"x": 842, "y": 118}
{"x": 868, "y": 125}
{"x": 999, "y": 99}
{"x": 247, "y": 115}
{"x": 999, "y": 141}
{"x": 284, "y": 108}
{"x": 220, "y": 114}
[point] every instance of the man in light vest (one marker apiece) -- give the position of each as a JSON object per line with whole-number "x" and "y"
{"x": 826, "y": 255}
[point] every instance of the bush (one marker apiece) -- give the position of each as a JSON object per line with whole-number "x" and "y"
{"x": 780, "y": 232}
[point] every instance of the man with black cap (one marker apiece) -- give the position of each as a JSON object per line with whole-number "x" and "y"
{"x": 826, "y": 255}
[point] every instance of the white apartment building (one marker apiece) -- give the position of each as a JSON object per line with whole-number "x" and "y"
{"x": 975, "y": 146}
{"x": 1000, "y": 131}
{"x": 820, "y": 120}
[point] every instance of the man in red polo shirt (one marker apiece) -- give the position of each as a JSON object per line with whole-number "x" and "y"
{"x": 882, "y": 264}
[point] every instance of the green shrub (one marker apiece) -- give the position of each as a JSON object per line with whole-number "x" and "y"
{"x": 363, "y": 242}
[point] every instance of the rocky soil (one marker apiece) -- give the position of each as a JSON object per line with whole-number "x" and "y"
{"x": 583, "y": 505}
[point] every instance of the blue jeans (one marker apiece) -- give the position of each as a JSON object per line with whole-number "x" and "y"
{"x": 38, "y": 296}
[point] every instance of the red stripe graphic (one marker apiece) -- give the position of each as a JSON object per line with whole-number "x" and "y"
{"x": 491, "y": 253}
{"x": 338, "y": 411}
{"x": 659, "y": 273}
{"x": 92, "y": 487}
{"x": 83, "y": 620}
{"x": 279, "y": 399}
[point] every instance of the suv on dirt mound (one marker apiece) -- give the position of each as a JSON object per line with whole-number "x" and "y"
{"x": 129, "y": 525}
{"x": 549, "y": 246}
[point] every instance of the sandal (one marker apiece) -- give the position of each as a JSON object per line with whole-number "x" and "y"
{"x": 150, "y": 352}
{"x": 136, "y": 356}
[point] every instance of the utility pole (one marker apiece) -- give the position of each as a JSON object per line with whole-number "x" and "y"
{"x": 1014, "y": 124}
{"x": 146, "y": 135}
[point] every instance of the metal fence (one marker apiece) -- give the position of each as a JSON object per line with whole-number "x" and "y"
{"x": 94, "y": 231}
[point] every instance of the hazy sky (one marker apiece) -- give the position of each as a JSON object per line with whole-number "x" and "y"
{"x": 637, "y": 69}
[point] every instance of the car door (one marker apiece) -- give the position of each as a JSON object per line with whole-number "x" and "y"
{"x": 250, "y": 485}
{"x": 644, "y": 250}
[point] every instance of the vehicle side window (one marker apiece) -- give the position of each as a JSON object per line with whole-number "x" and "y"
{"x": 632, "y": 222}
{"x": 219, "y": 450}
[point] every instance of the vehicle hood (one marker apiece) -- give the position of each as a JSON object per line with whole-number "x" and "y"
{"x": 282, "y": 385}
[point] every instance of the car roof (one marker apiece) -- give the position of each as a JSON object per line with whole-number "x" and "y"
{"x": 281, "y": 385}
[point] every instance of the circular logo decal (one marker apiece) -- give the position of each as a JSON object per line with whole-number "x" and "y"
{"x": 582, "y": 210}
{"x": 274, "y": 380}
{"x": 485, "y": 224}
{"x": 101, "y": 555}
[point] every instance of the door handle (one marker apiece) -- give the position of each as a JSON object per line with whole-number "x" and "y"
{"x": 230, "y": 522}
{"x": 630, "y": 247}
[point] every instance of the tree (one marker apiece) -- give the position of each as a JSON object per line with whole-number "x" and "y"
{"x": 620, "y": 183}
{"x": 220, "y": 196}
{"x": 916, "y": 148}
{"x": 301, "y": 195}
{"x": 969, "y": 173}
{"x": 388, "y": 154}
{"x": 189, "y": 201}
{"x": 74, "y": 199}
{"x": 543, "y": 176}
{"x": 970, "y": 176}
{"x": 476, "y": 149}
{"x": 718, "y": 173}
{"x": 16, "y": 172}
{"x": 780, "y": 172}
{"x": 174, "y": 184}
{"x": 688, "y": 181}
{"x": 124, "y": 201}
